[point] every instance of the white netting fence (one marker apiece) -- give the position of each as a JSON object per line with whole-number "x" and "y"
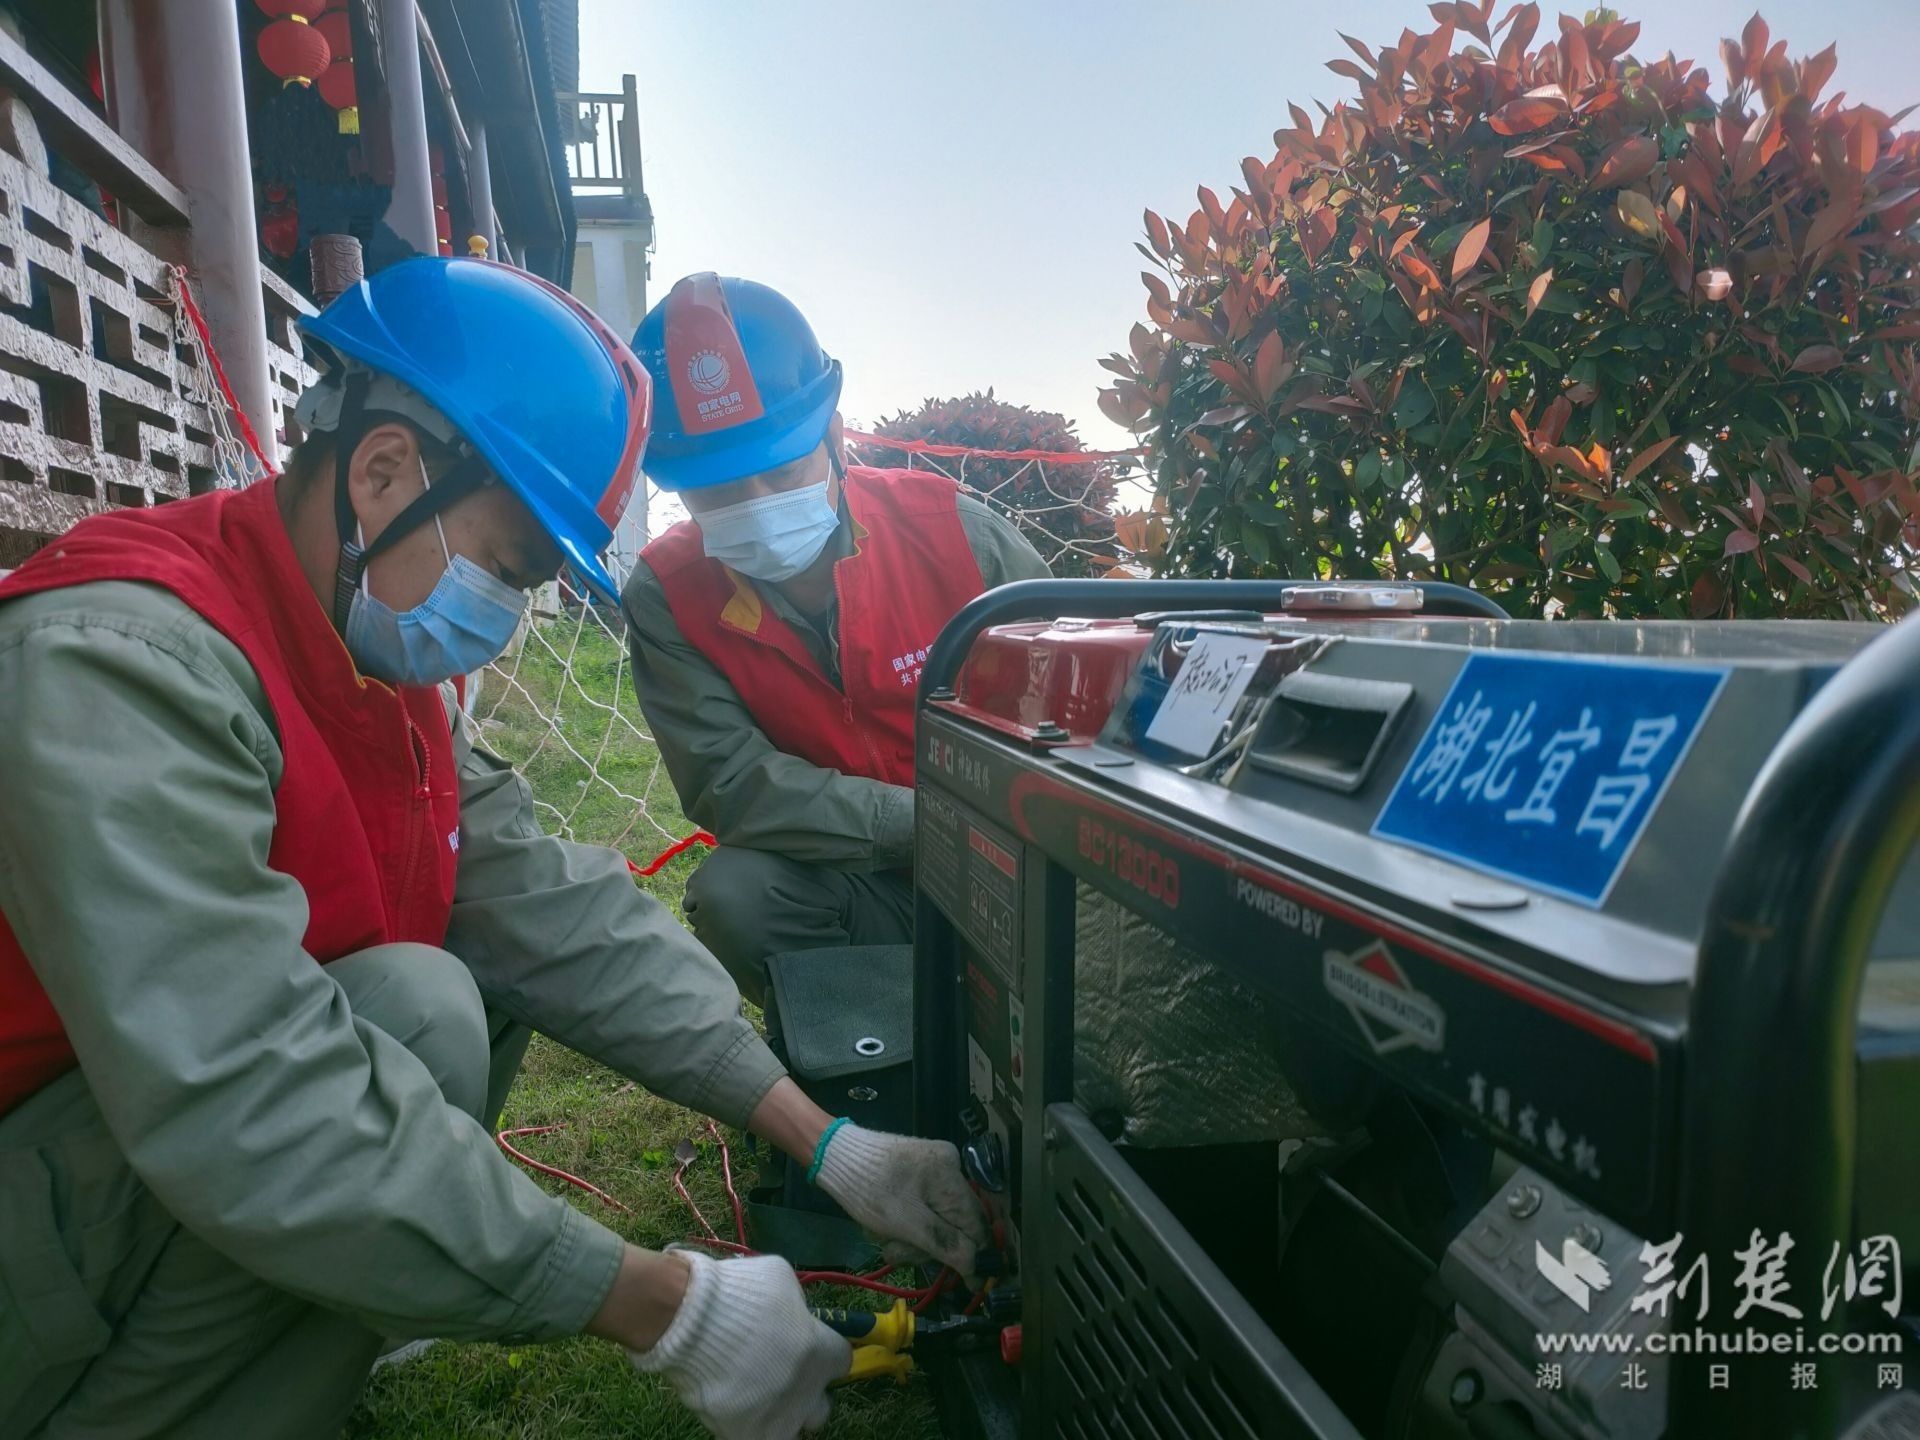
{"x": 1065, "y": 504}
{"x": 560, "y": 705}
{"x": 237, "y": 455}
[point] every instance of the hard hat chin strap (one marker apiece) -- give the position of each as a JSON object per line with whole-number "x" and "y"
{"x": 346, "y": 440}
{"x": 469, "y": 473}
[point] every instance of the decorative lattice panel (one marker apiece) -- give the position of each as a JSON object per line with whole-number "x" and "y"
{"x": 286, "y": 361}
{"x": 101, "y": 404}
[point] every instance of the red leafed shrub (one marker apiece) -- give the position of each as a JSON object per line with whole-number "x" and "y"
{"x": 1064, "y": 509}
{"x": 1553, "y": 322}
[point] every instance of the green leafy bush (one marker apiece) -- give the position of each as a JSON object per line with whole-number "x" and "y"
{"x": 1064, "y": 509}
{"x": 1554, "y": 323}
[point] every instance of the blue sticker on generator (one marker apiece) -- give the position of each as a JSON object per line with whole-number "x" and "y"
{"x": 1545, "y": 770}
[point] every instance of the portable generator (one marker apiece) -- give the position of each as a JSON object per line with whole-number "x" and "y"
{"x": 1370, "y": 1015}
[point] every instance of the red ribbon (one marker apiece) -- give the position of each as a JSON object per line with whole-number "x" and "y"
{"x": 1056, "y": 457}
{"x": 659, "y": 862}
{"x": 247, "y": 436}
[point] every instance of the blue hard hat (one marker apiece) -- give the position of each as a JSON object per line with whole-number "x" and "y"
{"x": 742, "y": 384}
{"x": 549, "y": 396}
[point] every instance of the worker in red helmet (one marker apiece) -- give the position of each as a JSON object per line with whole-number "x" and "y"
{"x": 274, "y": 930}
{"x": 778, "y": 634}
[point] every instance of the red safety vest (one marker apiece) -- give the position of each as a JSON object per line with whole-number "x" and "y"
{"x": 367, "y": 813}
{"x": 911, "y": 569}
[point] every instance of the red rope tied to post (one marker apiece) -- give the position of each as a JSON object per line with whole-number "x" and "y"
{"x": 679, "y": 847}
{"x": 248, "y": 437}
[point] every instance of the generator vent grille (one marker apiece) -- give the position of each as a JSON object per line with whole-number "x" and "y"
{"x": 1142, "y": 1337}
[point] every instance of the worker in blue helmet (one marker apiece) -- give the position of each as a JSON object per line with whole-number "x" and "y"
{"x": 274, "y": 930}
{"x": 779, "y": 632}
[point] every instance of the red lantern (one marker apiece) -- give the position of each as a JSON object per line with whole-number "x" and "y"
{"x": 283, "y": 9}
{"x": 339, "y": 32}
{"x": 295, "y": 51}
{"x": 341, "y": 90}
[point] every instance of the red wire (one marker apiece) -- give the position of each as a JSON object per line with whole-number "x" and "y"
{"x": 726, "y": 1245}
{"x": 836, "y": 1277}
{"x": 936, "y": 1290}
{"x": 998, "y": 1229}
{"x": 726, "y": 1171}
{"x": 1055, "y": 457}
{"x": 872, "y": 1280}
{"x": 558, "y": 1174}
{"x": 680, "y": 1186}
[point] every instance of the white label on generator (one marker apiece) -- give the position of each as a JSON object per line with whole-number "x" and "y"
{"x": 979, "y": 1071}
{"x": 1215, "y": 675}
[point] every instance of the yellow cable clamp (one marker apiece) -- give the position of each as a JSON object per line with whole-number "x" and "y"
{"x": 870, "y": 1362}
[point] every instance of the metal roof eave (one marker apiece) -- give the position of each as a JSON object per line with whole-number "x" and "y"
{"x": 500, "y": 73}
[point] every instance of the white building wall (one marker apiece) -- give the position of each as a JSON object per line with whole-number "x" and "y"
{"x": 610, "y": 277}
{"x": 615, "y": 268}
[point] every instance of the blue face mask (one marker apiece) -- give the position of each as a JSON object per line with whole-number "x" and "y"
{"x": 770, "y": 537}
{"x": 465, "y": 624}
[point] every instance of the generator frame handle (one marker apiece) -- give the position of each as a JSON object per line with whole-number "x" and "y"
{"x": 1113, "y": 599}
{"x": 1769, "y": 1091}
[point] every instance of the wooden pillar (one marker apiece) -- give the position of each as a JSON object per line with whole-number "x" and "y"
{"x": 480, "y": 191}
{"x": 411, "y": 213}
{"x": 176, "y": 92}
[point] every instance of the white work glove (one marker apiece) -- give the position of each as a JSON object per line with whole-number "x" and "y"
{"x": 745, "y": 1354}
{"x": 908, "y": 1192}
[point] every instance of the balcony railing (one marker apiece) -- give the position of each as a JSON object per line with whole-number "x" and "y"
{"x": 603, "y": 141}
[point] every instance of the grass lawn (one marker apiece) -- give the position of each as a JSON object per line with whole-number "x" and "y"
{"x": 618, "y": 1136}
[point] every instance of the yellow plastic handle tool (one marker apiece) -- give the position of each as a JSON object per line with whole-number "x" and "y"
{"x": 884, "y": 1329}
{"x": 870, "y": 1362}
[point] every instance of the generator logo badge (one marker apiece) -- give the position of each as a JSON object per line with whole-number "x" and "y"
{"x": 1389, "y": 1011}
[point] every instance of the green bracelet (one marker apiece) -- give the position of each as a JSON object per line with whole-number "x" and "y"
{"x": 820, "y": 1150}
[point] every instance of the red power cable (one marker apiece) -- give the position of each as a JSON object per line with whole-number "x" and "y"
{"x": 999, "y": 1230}
{"x": 726, "y": 1245}
{"x": 872, "y": 1280}
{"x": 558, "y": 1174}
{"x": 936, "y": 1290}
{"x": 680, "y": 1186}
{"x": 835, "y": 1277}
{"x": 726, "y": 1171}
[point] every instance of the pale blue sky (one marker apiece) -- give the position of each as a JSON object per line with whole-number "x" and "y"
{"x": 952, "y": 192}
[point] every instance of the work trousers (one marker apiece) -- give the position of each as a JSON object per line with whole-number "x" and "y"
{"x": 117, "y": 1323}
{"x": 748, "y": 904}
